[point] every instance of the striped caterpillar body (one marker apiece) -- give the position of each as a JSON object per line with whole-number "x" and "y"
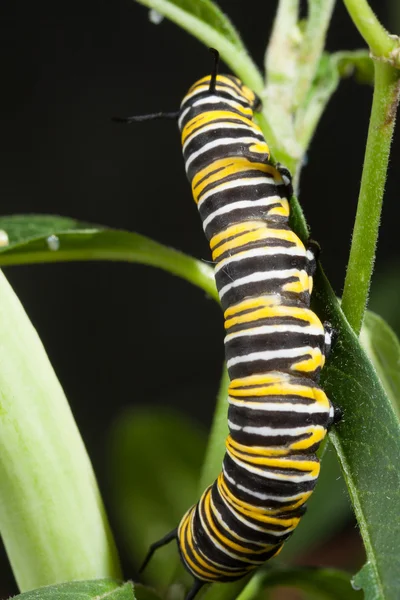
{"x": 275, "y": 345}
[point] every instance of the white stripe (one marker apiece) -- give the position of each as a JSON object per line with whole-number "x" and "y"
{"x": 265, "y": 251}
{"x": 218, "y": 545}
{"x": 205, "y": 88}
{"x": 313, "y": 408}
{"x": 268, "y": 329}
{"x": 267, "y": 201}
{"x": 213, "y": 99}
{"x": 271, "y": 354}
{"x": 219, "y": 142}
{"x": 274, "y": 431}
{"x": 260, "y": 276}
{"x": 240, "y": 518}
{"x": 259, "y": 495}
{"x": 224, "y": 125}
{"x": 221, "y": 521}
{"x": 252, "y": 181}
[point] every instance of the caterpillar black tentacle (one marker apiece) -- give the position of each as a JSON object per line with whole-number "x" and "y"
{"x": 275, "y": 345}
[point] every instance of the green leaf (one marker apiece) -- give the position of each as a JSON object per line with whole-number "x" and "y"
{"x": 367, "y": 581}
{"x": 383, "y": 348}
{"x": 204, "y": 20}
{"x": 142, "y": 592}
{"x": 52, "y": 520}
{"x": 367, "y": 440}
{"x": 155, "y": 460}
{"x": 99, "y": 589}
{"x": 50, "y": 238}
{"x": 356, "y": 63}
{"x": 324, "y": 584}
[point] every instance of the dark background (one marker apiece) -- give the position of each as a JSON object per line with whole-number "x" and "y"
{"x": 68, "y": 67}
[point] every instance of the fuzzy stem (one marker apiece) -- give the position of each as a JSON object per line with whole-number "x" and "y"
{"x": 365, "y": 233}
{"x": 378, "y": 39}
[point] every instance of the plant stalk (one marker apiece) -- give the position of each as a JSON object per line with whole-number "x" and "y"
{"x": 366, "y": 226}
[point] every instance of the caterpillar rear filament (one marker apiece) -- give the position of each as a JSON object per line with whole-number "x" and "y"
{"x": 275, "y": 345}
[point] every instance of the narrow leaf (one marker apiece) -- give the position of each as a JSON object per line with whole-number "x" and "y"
{"x": 383, "y": 348}
{"x": 204, "y": 20}
{"x": 50, "y": 238}
{"x": 101, "y": 589}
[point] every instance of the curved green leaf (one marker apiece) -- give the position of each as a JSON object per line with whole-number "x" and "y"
{"x": 99, "y": 589}
{"x": 383, "y": 348}
{"x": 205, "y": 21}
{"x": 324, "y": 584}
{"x": 155, "y": 460}
{"x": 50, "y": 238}
{"x": 356, "y": 63}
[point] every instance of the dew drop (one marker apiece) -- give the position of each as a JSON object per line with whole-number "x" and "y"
{"x": 155, "y": 17}
{"x": 53, "y": 243}
{"x": 4, "y": 240}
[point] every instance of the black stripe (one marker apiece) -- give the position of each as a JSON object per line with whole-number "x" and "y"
{"x": 244, "y": 192}
{"x": 259, "y": 264}
{"x": 277, "y": 340}
{"x": 250, "y": 417}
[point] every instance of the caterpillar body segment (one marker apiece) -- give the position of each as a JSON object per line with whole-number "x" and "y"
{"x": 275, "y": 346}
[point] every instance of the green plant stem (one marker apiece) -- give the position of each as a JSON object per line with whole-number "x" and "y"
{"x": 378, "y": 39}
{"x": 52, "y": 519}
{"x": 365, "y": 233}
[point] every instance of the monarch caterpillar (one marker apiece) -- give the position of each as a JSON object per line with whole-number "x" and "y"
{"x": 275, "y": 345}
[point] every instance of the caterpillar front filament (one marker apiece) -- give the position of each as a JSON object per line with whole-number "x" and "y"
{"x": 275, "y": 345}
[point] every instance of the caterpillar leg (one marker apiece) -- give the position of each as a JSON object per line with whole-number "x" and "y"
{"x": 196, "y": 587}
{"x": 313, "y": 252}
{"x": 287, "y": 179}
{"x": 337, "y": 414}
{"x": 330, "y": 338}
{"x": 172, "y": 535}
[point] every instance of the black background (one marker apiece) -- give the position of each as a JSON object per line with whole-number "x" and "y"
{"x": 122, "y": 334}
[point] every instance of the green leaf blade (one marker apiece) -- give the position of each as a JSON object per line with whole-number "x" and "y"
{"x": 29, "y": 244}
{"x": 101, "y": 589}
{"x": 383, "y": 349}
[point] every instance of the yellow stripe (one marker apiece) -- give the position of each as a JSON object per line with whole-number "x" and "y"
{"x": 271, "y": 312}
{"x": 254, "y": 236}
{"x": 306, "y": 466}
{"x": 226, "y": 541}
{"x": 206, "y": 118}
{"x": 236, "y": 229}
